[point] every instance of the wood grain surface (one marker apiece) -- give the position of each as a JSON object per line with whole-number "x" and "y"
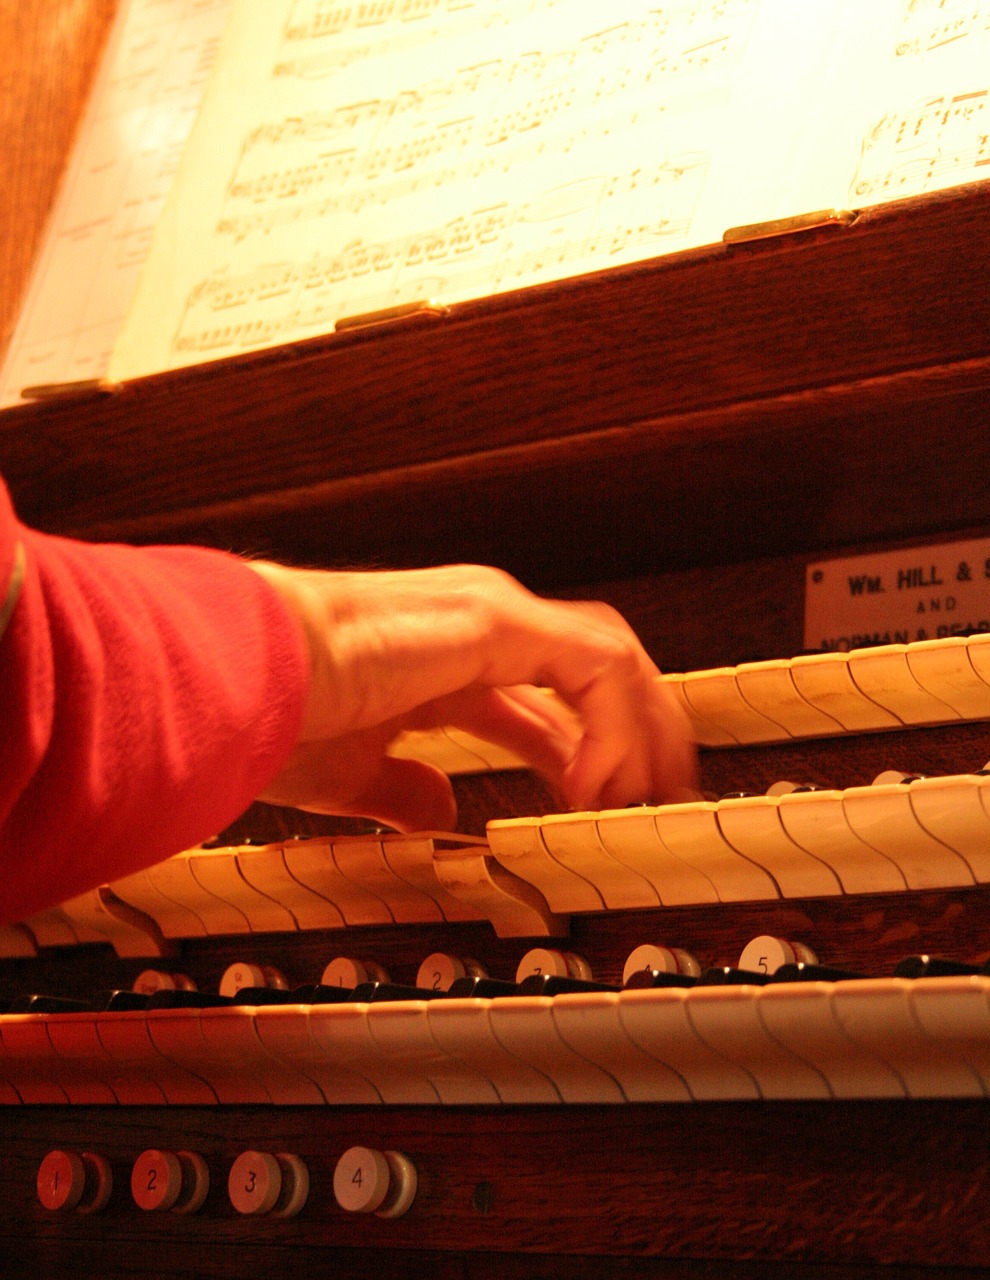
{"x": 50, "y": 50}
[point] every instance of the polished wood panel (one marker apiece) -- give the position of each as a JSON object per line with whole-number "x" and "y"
{"x": 720, "y": 405}
{"x": 50, "y": 53}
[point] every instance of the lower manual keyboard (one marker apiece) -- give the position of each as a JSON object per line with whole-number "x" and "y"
{"x": 863, "y": 1038}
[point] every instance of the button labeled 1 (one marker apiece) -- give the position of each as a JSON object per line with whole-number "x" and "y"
{"x": 70, "y": 1181}
{"x": 379, "y": 1182}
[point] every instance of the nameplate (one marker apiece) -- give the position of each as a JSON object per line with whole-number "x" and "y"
{"x": 897, "y": 597}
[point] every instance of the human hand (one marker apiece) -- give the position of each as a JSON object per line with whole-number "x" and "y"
{"x": 470, "y": 647}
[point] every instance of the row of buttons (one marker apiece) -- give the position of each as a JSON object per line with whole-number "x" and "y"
{"x": 441, "y": 970}
{"x": 260, "y": 1183}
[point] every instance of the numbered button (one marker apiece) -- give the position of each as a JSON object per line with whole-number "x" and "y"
{"x": 149, "y": 981}
{"x": 440, "y": 971}
{"x": 261, "y": 1183}
{"x": 176, "y": 1180}
{"x": 238, "y": 976}
{"x": 558, "y": 964}
{"x": 766, "y": 954}
{"x": 67, "y": 1180}
{"x": 379, "y": 1182}
{"x": 660, "y": 960}
{"x": 343, "y": 971}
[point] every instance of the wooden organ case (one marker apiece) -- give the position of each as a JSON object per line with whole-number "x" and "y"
{"x": 679, "y": 438}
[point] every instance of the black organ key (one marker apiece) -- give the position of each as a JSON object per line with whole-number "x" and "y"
{"x": 188, "y": 1000}
{"x": 321, "y": 993}
{"x": 923, "y": 966}
{"x": 552, "y": 984}
{"x": 802, "y": 972}
{"x": 482, "y": 988}
{"x": 50, "y": 1004}
{"x": 727, "y": 976}
{"x": 643, "y": 978}
{"x": 372, "y": 992}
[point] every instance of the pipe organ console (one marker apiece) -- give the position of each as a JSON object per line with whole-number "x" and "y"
{"x": 752, "y": 1031}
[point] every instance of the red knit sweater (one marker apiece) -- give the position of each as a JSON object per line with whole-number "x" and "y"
{"x": 147, "y": 695}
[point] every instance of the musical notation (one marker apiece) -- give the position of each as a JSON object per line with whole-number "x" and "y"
{"x": 353, "y": 155}
{"x": 495, "y": 247}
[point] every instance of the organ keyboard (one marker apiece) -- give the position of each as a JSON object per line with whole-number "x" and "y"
{"x": 678, "y": 438}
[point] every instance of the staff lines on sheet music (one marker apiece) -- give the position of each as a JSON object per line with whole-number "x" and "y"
{"x": 650, "y": 30}
{"x": 538, "y": 81}
{"x": 318, "y": 19}
{"x": 915, "y": 147}
{"x": 973, "y": 19}
{"x": 276, "y": 199}
{"x": 487, "y": 233}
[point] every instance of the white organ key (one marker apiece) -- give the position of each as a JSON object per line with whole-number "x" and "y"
{"x": 657, "y": 1020}
{"x": 878, "y": 1014}
{"x": 462, "y": 1027}
{"x": 518, "y": 845}
{"x": 718, "y": 700}
{"x": 53, "y": 928}
{"x": 17, "y": 942}
{"x": 706, "y": 733}
{"x": 884, "y": 676}
{"x": 403, "y": 1032}
{"x": 141, "y": 1070}
{"x": 573, "y": 839}
{"x": 978, "y": 652}
{"x": 800, "y": 1016}
{"x": 146, "y": 890}
{"x": 883, "y": 817}
{"x": 67, "y": 1180}
{"x": 956, "y": 811}
{"x": 515, "y": 908}
{"x": 411, "y": 857}
{"x": 631, "y": 836}
{"x": 691, "y": 832}
{"x": 225, "y": 1065}
{"x": 524, "y": 1026}
{"x": 344, "y": 1031}
{"x": 944, "y": 669}
{"x": 264, "y": 870}
{"x": 30, "y": 1064}
{"x": 825, "y": 680}
{"x": 273, "y": 876}
{"x": 591, "y": 1025}
{"x": 955, "y": 1015}
{"x": 175, "y": 880}
{"x": 727, "y": 1019}
{"x": 769, "y": 688}
{"x": 816, "y": 821}
{"x": 313, "y": 864}
{"x": 130, "y": 932}
{"x": 303, "y": 1038}
{"x": 86, "y": 1070}
{"x": 362, "y": 860}
{"x": 240, "y": 1066}
{"x": 751, "y": 825}
{"x": 220, "y": 873}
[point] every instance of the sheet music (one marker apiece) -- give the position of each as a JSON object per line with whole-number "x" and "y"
{"x": 143, "y": 106}
{"x": 929, "y": 128}
{"x": 353, "y": 156}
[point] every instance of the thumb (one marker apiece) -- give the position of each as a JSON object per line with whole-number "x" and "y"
{"x": 408, "y": 795}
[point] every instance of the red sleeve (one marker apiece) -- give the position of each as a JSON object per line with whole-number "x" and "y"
{"x": 148, "y": 695}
